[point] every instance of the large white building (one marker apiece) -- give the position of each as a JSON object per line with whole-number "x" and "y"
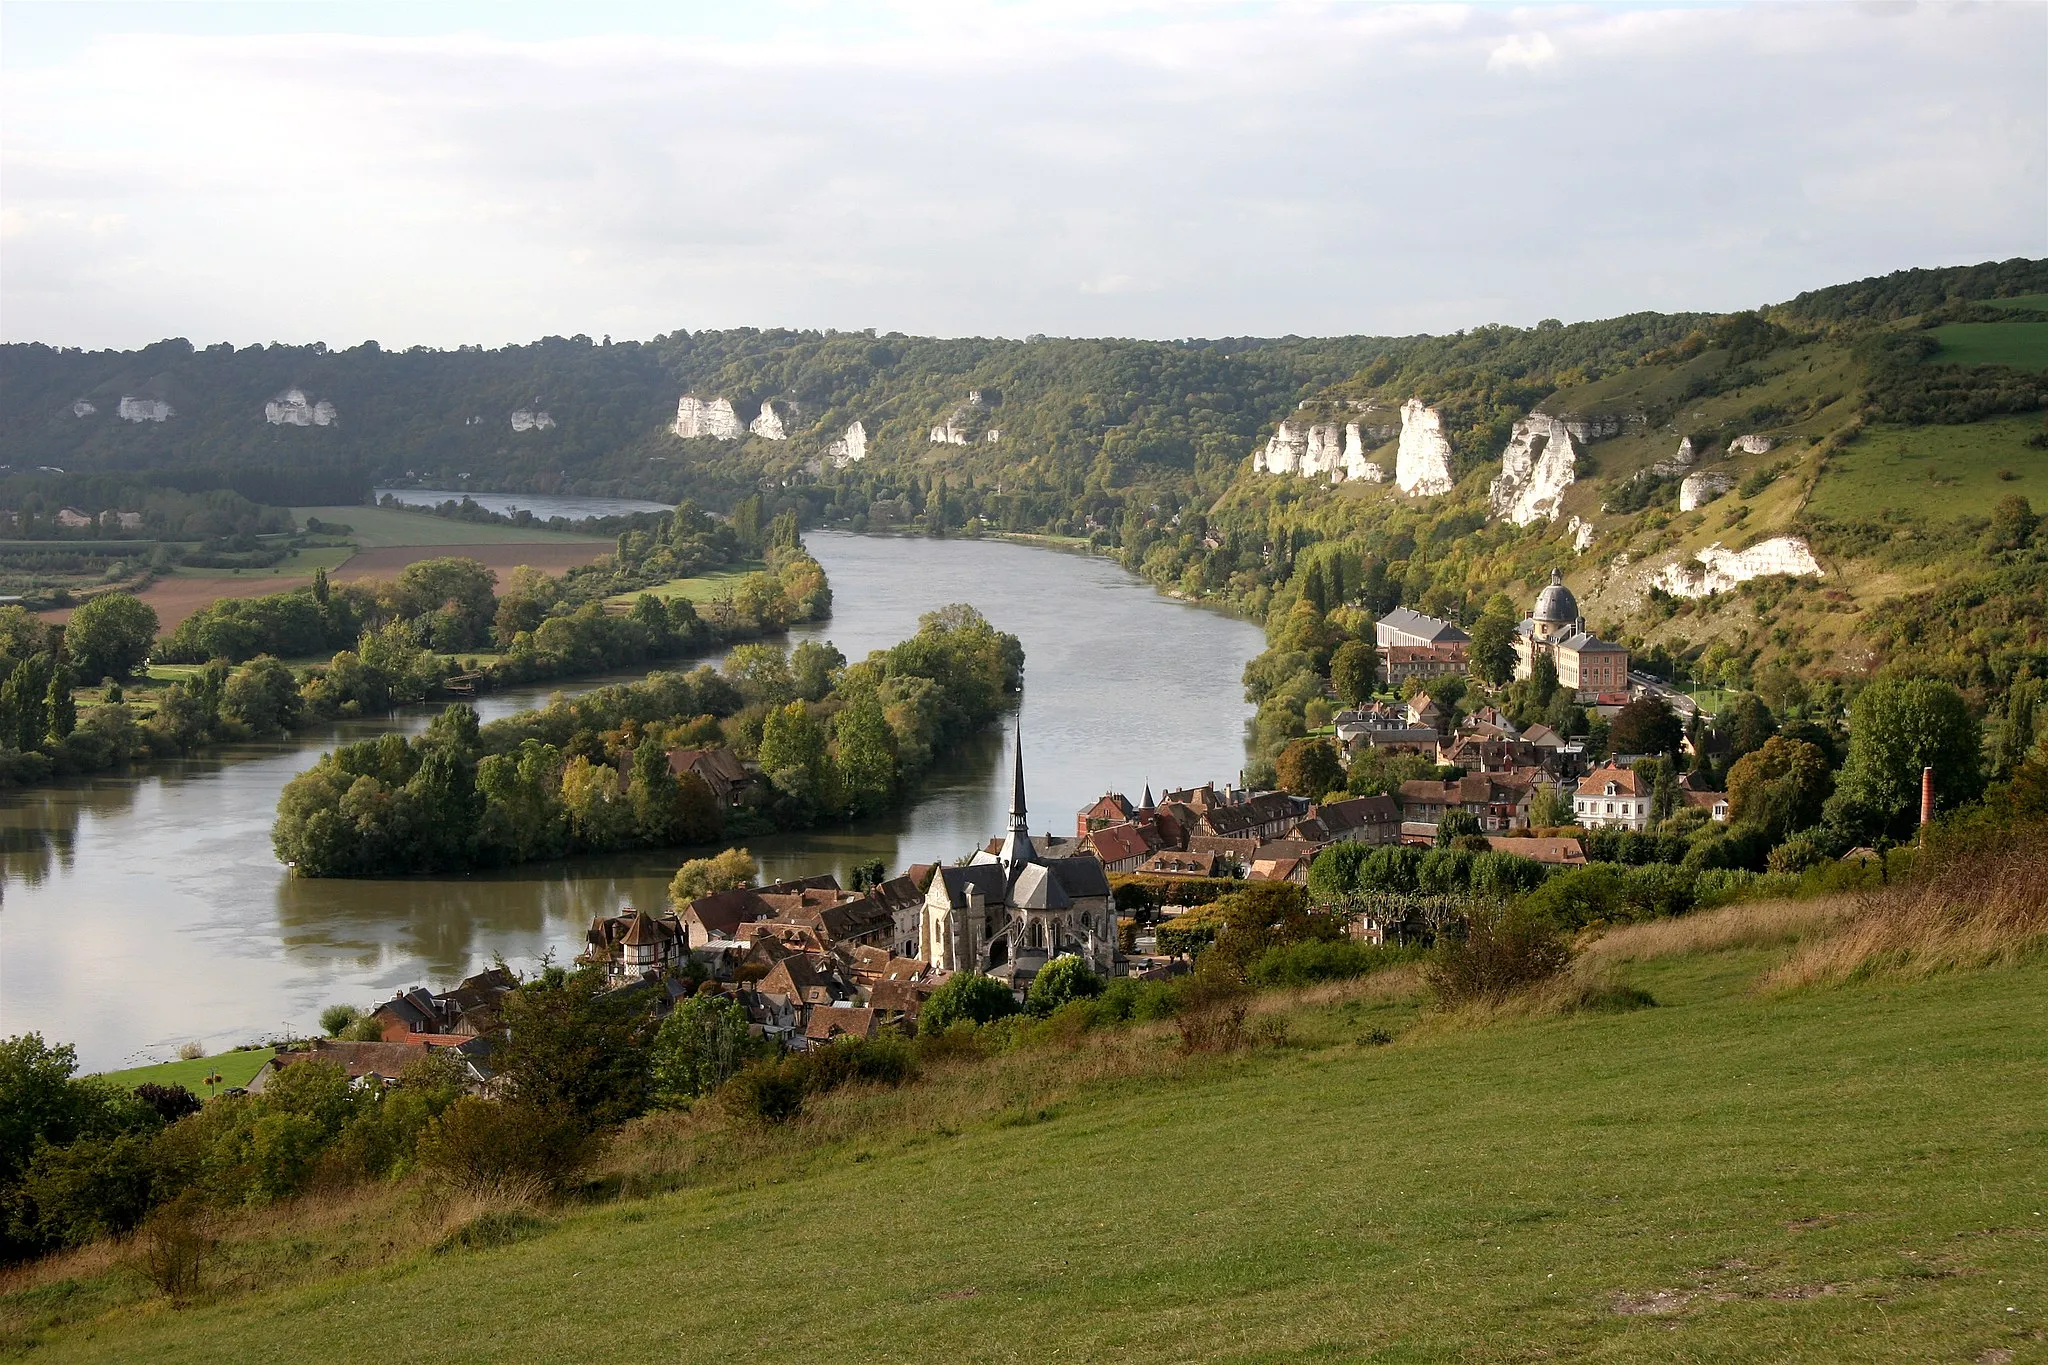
{"x": 1612, "y": 798}
{"x": 1586, "y": 664}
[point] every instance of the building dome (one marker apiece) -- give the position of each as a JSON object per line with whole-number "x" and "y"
{"x": 1555, "y": 605}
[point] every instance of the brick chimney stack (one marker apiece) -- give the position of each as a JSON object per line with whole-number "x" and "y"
{"x": 1926, "y": 796}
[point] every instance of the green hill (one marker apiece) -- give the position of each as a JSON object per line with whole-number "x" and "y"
{"x": 1827, "y": 1174}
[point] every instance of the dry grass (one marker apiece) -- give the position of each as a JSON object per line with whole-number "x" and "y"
{"x": 1974, "y": 913}
{"x": 1761, "y": 924}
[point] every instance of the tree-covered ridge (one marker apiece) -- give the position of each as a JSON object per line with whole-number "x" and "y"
{"x": 1907, "y": 293}
{"x": 827, "y": 740}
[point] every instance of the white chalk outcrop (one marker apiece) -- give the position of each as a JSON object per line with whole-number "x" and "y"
{"x": 1581, "y": 533}
{"x": 82, "y": 408}
{"x": 1355, "y": 465}
{"x": 958, "y": 428}
{"x": 1751, "y": 445}
{"x": 1422, "y": 466}
{"x": 1283, "y": 453}
{"x": 1697, "y": 490}
{"x": 532, "y": 419}
{"x": 143, "y": 409}
{"x": 1540, "y": 462}
{"x": 1721, "y": 569}
{"x": 712, "y": 417}
{"x": 851, "y": 448}
{"x": 293, "y": 409}
{"x": 767, "y": 424}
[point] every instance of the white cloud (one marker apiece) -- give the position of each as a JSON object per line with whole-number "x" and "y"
{"x": 1527, "y": 52}
{"x": 958, "y": 169}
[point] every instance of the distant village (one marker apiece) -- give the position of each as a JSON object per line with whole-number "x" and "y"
{"x": 810, "y": 961}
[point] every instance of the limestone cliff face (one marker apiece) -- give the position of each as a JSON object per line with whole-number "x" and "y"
{"x": 1722, "y": 569}
{"x": 767, "y": 424}
{"x": 1356, "y": 466}
{"x": 82, "y": 408}
{"x": 1540, "y": 462}
{"x": 1751, "y": 445}
{"x": 291, "y": 409}
{"x": 532, "y": 419}
{"x": 1581, "y": 533}
{"x": 958, "y": 428}
{"x": 712, "y": 417}
{"x": 1283, "y": 452}
{"x": 143, "y": 409}
{"x": 851, "y": 448}
{"x": 1697, "y": 490}
{"x": 1422, "y": 466}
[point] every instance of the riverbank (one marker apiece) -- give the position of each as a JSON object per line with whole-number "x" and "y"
{"x": 165, "y": 881}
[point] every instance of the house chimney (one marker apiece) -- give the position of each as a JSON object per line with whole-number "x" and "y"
{"x": 1926, "y": 796}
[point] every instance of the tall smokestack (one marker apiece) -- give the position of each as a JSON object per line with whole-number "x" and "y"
{"x": 1926, "y": 796}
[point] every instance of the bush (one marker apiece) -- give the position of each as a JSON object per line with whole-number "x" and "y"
{"x": 971, "y": 996}
{"x": 1499, "y": 953}
{"x": 335, "y": 1019}
{"x": 171, "y": 1102}
{"x": 488, "y": 1147}
{"x": 1059, "y": 982}
{"x": 774, "y": 1092}
{"x": 1304, "y": 964}
{"x": 173, "y": 1246}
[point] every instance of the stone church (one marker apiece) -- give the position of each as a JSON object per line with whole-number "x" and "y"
{"x": 1010, "y": 912}
{"x": 1586, "y": 664}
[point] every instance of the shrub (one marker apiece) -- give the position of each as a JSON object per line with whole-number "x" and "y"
{"x": 1059, "y": 982}
{"x": 1499, "y": 952}
{"x": 172, "y": 1247}
{"x": 970, "y": 996}
{"x": 171, "y": 1102}
{"x": 702, "y": 1043}
{"x": 336, "y": 1018}
{"x": 488, "y": 1146}
{"x": 1212, "y": 1012}
{"x": 494, "y": 1228}
{"x": 1304, "y": 964}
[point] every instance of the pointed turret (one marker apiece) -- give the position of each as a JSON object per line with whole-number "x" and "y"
{"x": 1148, "y": 799}
{"x": 1017, "y": 847}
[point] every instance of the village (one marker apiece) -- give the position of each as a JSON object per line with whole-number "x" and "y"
{"x": 810, "y": 962}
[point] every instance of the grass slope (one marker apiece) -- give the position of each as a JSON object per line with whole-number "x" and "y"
{"x": 703, "y": 588}
{"x": 1941, "y": 472}
{"x": 2023, "y": 345}
{"x": 235, "y": 1068}
{"x": 1844, "y": 1174}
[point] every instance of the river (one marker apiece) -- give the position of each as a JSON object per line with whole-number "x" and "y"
{"x": 137, "y": 913}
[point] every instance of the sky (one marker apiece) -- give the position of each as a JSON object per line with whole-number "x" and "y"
{"x": 442, "y": 174}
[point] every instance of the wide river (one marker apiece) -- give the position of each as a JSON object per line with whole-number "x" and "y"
{"x": 139, "y": 912}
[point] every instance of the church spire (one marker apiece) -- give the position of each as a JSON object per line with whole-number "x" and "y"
{"x": 1017, "y": 848}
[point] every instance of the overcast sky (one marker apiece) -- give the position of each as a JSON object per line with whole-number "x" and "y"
{"x": 447, "y": 173}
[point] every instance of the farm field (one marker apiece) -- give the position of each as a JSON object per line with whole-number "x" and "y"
{"x": 379, "y": 528}
{"x": 1837, "y": 1174}
{"x": 1936, "y": 472}
{"x": 2023, "y": 345}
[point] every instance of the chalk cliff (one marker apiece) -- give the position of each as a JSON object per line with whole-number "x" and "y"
{"x": 292, "y": 409}
{"x": 851, "y": 448}
{"x": 1540, "y": 462}
{"x": 1355, "y": 465}
{"x": 1581, "y": 533}
{"x": 712, "y": 417}
{"x": 1751, "y": 445}
{"x": 82, "y": 408}
{"x": 1422, "y": 466}
{"x": 532, "y": 419}
{"x": 768, "y": 424}
{"x": 143, "y": 409}
{"x": 1722, "y": 569}
{"x": 1697, "y": 490}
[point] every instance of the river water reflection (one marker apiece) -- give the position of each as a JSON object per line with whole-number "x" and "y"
{"x": 140, "y": 912}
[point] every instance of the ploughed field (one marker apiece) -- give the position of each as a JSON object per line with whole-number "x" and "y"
{"x": 1835, "y": 1173}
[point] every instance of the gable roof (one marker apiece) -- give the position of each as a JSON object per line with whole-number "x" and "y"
{"x": 1115, "y": 843}
{"x": 1626, "y": 782}
{"x": 1408, "y": 621}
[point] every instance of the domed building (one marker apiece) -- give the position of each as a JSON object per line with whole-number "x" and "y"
{"x": 1585, "y": 663}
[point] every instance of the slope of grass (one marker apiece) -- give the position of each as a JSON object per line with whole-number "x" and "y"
{"x": 1934, "y": 472}
{"x": 2023, "y": 345}
{"x": 235, "y": 1068}
{"x": 377, "y": 528}
{"x": 1854, "y": 1173}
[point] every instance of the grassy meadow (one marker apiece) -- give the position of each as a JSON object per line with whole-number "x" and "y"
{"x": 2022, "y": 345}
{"x": 1815, "y": 1146}
{"x": 1936, "y": 472}
{"x": 703, "y": 588}
{"x": 234, "y": 1068}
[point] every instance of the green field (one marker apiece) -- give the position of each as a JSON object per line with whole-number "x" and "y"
{"x": 235, "y": 1068}
{"x": 1857, "y": 1173}
{"x": 1933, "y": 471}
{"x": 703, "y": 588}
{"x": 2023, "y": 345}
{"x": 378, "y": 528}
